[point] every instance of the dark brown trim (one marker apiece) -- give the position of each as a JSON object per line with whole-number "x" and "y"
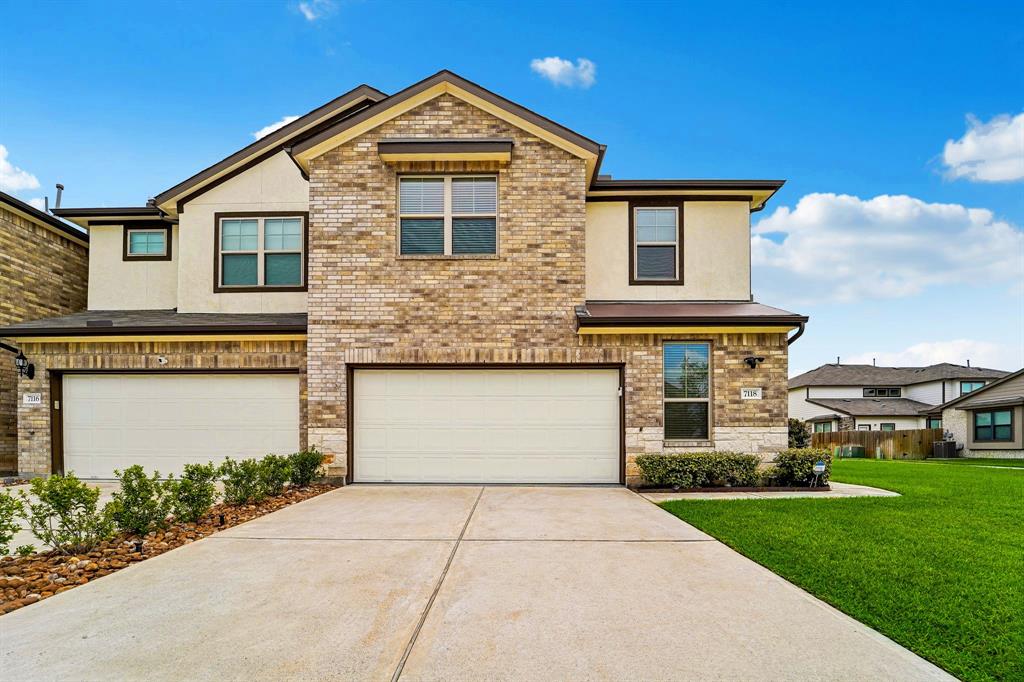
{"x": 125, "y": 211}
{"x": 217, "y": 217}
{"x": 182, "y": 370}
{"x": 446, "y": 146}
{"x": 42, "y": 217}
{"x": 622, "y": 198}
{"x": 653, "y": 202}
{"x": 149, "y": 221}
{"x": 338, "y": 105}
{"x": 991, "y": 410}
{"x": 667, "y": 339}
{"x": 56, "y": 422}
{"x": 168, "y": 239}
{"x": 162, "y": 330}
{"x": 692, "y": 321}
{"x": 351, "y": 368}
{"x": 653, "y": 185}
{"x": 447, "y": 76}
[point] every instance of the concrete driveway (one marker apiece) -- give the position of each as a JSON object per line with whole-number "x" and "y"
{"x": 449, "y": 582}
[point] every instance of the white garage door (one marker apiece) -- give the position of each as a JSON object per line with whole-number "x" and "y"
{"x": 472, "y": 425}
{"x": 164, "y": 421}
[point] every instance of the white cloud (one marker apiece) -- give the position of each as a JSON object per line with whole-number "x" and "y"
{"x": 837, "y": 247}
{"x": 562, "y": 71}
{"x": 38, "y": 202}
{"x": 12, "y": 178}
{"x": 316, "y": 9}
{"x": 266, "y": 130}
{"x": 956, "y": 351}
{"x": 988, "y": 152}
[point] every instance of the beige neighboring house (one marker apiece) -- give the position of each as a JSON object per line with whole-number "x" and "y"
{"x": 988, "y": 422}
{"x": 44, "y": 265}
{"x": 435, "y": 285}
{"x": 838, "y": 397}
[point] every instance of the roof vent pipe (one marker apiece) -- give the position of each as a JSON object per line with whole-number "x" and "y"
{"x": 968, "y": 363}
{"x": 873, "y": 363}
{"x": 60, "y": 190}
{"x": 46, "y": 204}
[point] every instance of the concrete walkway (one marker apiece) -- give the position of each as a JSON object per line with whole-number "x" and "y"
{"x": 449, "y": 583}
{"x": 838, "y": 490}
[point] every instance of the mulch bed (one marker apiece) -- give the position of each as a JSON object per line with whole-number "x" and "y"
{"x": 26, "y": 580}
{"x": 754, "y": 489}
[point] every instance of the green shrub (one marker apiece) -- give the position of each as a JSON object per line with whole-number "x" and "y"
{"x": 275, "y": 471}
{"x": 26, "y": 550}
{"x": 799, "y": 433}
{"x": 242, "y": 481}
{"x": 143, "y": 503}
{"x": 195, "y": 493}
{"x": 699, "y": 470}
{"x": 10, "y": 510}
{"x": 796, "y": 466}
{"x": 63, "y": 513}
{"x": 306, "y": 466}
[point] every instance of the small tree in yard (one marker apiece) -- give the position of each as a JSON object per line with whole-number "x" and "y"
{"x": 10, "y": 510}
{"x": 143, "y": 503}
{"x": 799, "y": 434}
{"x": 195, "y": 492}
{"x": 63, "y": 513}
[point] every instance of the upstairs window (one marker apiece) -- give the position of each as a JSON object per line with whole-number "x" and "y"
{"x": 448, "y": 216}
{"x": 884, "y": 392}
{"x": 969, "y": 386}
{"x": 260, "y": 252}
{"x": 144, "y": 242}
{"x": 687, "y": 391}
{"x": 655, "y": 245}
{"x": 995, "y": 426}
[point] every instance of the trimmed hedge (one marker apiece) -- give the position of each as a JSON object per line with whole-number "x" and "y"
{"x": 700, "y": 470}
{"x": 796, "y": 466}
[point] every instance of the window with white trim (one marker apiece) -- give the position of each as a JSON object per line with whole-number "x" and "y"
{"x": 261, "y": 252}
{"x": 449, "y": 215}
{"x": 823, "y": 427}
{"x": 687, "y": 390}
{"x": 147, "y": 242}
{"x": 656, "y": 243}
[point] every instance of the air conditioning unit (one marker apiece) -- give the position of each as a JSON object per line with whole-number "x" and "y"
{"x": 944, "y": 449}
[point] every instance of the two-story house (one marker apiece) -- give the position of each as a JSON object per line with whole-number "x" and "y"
{"x": 838, "y": 397}
{"x": 43, "y": 272}
{"x": 436, "y": 285}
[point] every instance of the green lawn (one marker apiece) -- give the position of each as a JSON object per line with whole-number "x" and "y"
{"x": 939, "y": 570}
{"x": 979, "y": 462}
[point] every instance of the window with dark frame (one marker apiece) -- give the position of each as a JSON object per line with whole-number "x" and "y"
{"x": 970, "y": 386}
{"x": 883, "y": 392}
{"x": 146, "y": 242}
{"x": 656, "y": 243}
{"x": 449, "y": 215}
{"x": 887, "y": 426}
{"x": 687, "y": 390}
{"x": 934, "y": 423}
{"x": 864, "y": 427}
{"x": 993, "y": 426}
{"x": 261, "y": 252}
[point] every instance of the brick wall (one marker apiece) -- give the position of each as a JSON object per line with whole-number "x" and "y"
{"x": 367, "y": 305}
{"x": 34, "y": 434}
{"x": 42, "y": 274}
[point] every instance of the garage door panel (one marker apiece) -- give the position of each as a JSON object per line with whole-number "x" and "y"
{"x": 163, "y": 421}
{"x": 473, "y": 425}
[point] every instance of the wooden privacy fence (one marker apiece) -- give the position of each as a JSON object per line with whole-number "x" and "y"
{"x": 905, "y": 444}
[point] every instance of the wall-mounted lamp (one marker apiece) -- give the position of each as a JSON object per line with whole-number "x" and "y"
{"x": 753, "y": 361}
{"x": 25, "y": 368}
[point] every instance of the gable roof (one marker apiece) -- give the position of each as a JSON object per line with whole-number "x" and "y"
{"x": 30, "y": 212}
{"x": 873, "y": 407}
{"x": 354, "y": 100}
{"x": 870, "y": 375}
{"x": 446, "y": 82}
{"x": 979, "y": 395}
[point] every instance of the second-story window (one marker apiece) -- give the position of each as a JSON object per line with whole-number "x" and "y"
{"x": 448, "y": 216}
{"x": 969, "y": 386}
{"x": 883, "y": 392}
{"x": 655, "y": 245}
{"x": 260, "y": 252}
{"x": 146, "y": 242}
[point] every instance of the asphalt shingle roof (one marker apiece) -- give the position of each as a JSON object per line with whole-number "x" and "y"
{"x": 99, "y": 322}
{"x": 867, "y": 407}
{"x": 869, "y": 375}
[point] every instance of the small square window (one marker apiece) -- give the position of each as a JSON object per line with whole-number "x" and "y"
{"x": 147, "y": 243}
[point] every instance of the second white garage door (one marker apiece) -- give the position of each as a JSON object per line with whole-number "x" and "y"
{"x": 164, "y": 421}
{"x": 475, "y": 425}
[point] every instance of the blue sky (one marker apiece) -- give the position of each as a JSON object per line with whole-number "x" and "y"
{"x": 897, "y": 247}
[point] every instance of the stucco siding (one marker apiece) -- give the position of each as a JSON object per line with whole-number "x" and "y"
{"x": 117, "y": 284}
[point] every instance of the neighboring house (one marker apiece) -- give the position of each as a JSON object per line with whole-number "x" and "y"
{"x": 847, "y": 397}
{"x": 435, "y": 285}
{"x": 44, "y": 265}
{"x": 988, "y": 422}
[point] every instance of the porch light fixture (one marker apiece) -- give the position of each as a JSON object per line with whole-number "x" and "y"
{"x": 753, "y": 361}
{"x": 25, "y": 368}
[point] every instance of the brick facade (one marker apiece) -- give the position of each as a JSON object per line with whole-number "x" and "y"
{"x": 367, "y": 305}
{"x": 34, "y": 431}
{"x": 42, "y": 274}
